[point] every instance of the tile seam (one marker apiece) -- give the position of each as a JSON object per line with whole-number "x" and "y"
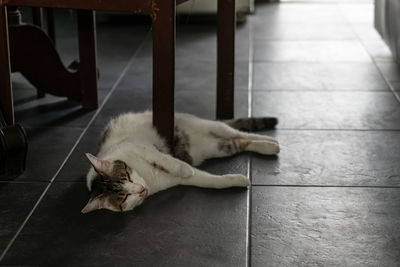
{"x": 390, "y": 86}
{"x": 326, "y": 186}
{"x": 249, "y": 160}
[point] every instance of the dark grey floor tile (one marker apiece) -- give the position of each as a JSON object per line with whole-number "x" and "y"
{"x": 310, "y": 51}
{"x": 199, "y": 43}
{"x": 116, "y": 40}
{"x": 140, "y": 74}
{"x": 203, "y": 104}
{"x": 16, "y": 201}
{"x": 298, "y": 13}
{"x": 325, "y": 226}
{"x": 358, "y": 13}
{"x": 77, "y": 166}
{"x": 379, "y": 51}
{"x": 47, "y": 149}
{"x": 122, "y": 101}
{"x": 199, "y": 103}
{"x": 329, "y": 110}
{"x": 353, "y": 158}
{"x": 189, "y": 74}
{"x": 205, "y": 49}
{"x": 52, "y": 111}
{"x": 230, "y": 165}
{"x": 202, "y": 75}
{"x": 390, "y": 70}
{"x": 395, "y": 85}
{"x": 366, "y": 31}
{"x": 317, "y": 76}
{"x": 179, "y": 227}
{"x": 309, "y": 30}
{"x": 48, "y": 111}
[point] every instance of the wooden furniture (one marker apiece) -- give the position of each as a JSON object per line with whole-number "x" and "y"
{"x": 387, "y": 23}
{"x": 53, "y": 77}
{"x": 13, "y": 149}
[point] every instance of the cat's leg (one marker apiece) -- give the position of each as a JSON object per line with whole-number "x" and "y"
{"x": 164, "y": 162}
{"x": 207, "y": 180}
{"x": 232, "y": 146}
{"x": 222, "y": 130}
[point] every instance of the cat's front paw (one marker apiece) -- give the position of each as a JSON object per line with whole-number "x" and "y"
{"x": 185, "y": 171}
{"x": 237, "y": 180}
{"x": 266, "y": 147}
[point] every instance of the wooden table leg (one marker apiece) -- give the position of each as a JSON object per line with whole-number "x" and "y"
{"x": 87, "y": 56}
{"x": 226, "y": 59}
{"x": 164, "y": 67}
{"x": 6, "y": 99}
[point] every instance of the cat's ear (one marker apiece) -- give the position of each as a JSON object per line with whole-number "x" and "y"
{"x": 100, "y": 165}
{"x": 95, "y": 203}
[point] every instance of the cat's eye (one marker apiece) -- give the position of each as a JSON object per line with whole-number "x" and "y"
{"x": 123, "y": 201}
{"x": 128, "y": 176}
{"x": 126, "y": 197}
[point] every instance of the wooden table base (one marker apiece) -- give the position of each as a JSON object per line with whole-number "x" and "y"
{"x": 39, "y": 62}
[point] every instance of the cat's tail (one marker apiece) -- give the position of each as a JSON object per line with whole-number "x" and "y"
{"x": 253, "y": 124}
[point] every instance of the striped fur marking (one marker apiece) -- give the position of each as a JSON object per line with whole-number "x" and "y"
{"x": 158, "y": 166}
{"x": 181, "y": 146}
{"x": 233, "y": 145}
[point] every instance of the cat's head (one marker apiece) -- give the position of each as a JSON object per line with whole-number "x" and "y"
{"x": 116, "y": 186}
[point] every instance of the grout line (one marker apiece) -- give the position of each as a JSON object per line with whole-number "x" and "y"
{"x": 312, "y": 62}
{"x": 324, "y": 62}
{"x": 391, "y": 89}
{"x": 54, "y": 127}
{"x": 249, "y": 161}
{"x": 335, "y": 130}
{"x": 73, "y": 148}
{"x": 323, "y": 90}
{"x": 23, "y": 182}
{"x": 250, "y": 73}
{"x": 41, "y": 182}
{"x": 328, "y": 186}
{"x": 248, "y": 218}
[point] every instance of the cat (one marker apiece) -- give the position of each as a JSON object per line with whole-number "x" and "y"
{"x": 134, "y": 162}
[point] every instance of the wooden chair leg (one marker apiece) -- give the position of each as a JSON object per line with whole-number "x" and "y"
{"x": 226, "y": 59}
{"x": 6, "y": 99}
{"x": 87, "y": 56}
{"x": 51, "y": 29}
{"x": 37, "y": 17}
{"x": 164, "y": 68}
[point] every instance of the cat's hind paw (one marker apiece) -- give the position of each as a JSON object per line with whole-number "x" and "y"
{"x": 237, "y": 180}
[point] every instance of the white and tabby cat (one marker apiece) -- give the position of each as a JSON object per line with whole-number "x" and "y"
{"x": 134, "y": 161}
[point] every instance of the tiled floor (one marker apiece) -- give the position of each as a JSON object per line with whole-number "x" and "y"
{"x": 331, "y": 198}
